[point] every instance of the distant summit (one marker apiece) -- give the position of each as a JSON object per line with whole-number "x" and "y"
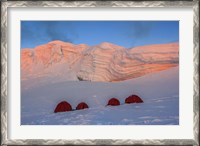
{"x": 57, "y": 42}
{"x": 109, "y": 45}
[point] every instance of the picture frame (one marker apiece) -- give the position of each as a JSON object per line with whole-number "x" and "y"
{"x": 5, "y": 129}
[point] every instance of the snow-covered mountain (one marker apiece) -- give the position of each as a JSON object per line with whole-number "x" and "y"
{"x": 104, "y": 62}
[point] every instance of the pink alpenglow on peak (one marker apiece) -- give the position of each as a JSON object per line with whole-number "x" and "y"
{"x": 109, "y": 45}
{"x": 104, "y": 62}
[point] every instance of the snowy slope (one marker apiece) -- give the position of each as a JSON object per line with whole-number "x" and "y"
{"x": 159, "y": 91}
{"x": 103, "y": 62}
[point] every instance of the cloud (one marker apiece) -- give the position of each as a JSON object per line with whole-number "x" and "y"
{"x": 60, "y": 31}
{"x": 35, "y": 33}
{"x": 140, "y": 29}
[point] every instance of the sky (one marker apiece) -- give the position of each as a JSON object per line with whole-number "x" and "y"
{"x": 128, "y": 34}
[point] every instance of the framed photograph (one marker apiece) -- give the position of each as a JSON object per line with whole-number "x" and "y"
{"x": 100, "y": 73}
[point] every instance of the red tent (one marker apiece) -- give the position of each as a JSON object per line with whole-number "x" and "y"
{"x": 81, "y": 105}
{"x": 133, "y": 99}
{"x": 63, "y": 107}
{"x": 113, "y": 102}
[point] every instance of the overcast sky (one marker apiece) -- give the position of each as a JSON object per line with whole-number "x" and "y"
{"x": 124, "y": 33}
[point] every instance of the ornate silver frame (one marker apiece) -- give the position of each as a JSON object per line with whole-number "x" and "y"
{"x": 5, "y": 5}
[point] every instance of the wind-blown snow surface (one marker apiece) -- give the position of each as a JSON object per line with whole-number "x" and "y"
{"x": 160, "y": 92}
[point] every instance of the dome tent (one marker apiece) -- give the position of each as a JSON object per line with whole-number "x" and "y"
{"x": 63, "y": 107}
{"x": 113, "y": 102}
{"x": 133, "y": 99}
{"x": 82, "y": 105}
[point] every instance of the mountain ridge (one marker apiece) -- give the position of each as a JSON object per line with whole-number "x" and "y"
{"x": 103, "y": 62}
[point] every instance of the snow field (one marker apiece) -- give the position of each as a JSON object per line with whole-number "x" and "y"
{"x": 159, "y": 91}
